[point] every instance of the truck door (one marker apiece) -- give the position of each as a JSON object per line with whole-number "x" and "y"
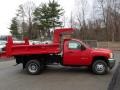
{"x": 73, "y": 55}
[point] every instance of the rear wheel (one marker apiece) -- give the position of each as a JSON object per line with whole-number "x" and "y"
{"x": 100, "y": 67}
{"x": 34, "y": 67}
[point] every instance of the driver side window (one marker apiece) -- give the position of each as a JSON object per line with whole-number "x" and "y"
{"x": 74, "y": 45}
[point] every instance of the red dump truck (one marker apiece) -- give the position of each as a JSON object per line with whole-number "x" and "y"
{"x": 64, "y": 50}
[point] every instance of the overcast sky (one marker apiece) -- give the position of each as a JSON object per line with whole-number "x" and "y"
{"x": 8, "y": 10}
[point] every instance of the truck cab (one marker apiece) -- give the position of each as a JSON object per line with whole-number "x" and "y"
{"x": 76, "y": 53}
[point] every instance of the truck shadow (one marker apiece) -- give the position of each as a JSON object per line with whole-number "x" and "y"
{"x": 67, "y": 70}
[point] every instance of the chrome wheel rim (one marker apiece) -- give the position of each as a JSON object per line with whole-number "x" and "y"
{"x": 100, "y": 68}
{"x": 33, "y": 67}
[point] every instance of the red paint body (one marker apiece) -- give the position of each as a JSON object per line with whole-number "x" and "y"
{"x": 70, "y": 57}
{"x": 82, "y": 57}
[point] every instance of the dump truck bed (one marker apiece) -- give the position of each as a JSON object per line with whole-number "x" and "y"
{"x": 33, "y": 49}
{"x": 14, "y": 49}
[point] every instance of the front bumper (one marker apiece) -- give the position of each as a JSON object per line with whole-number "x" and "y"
{"x": 111, "y": 63}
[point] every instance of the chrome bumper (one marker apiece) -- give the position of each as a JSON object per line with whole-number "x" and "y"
{"x": 111, "y": 63}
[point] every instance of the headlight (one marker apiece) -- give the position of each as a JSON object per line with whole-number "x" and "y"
{"x": 111, "y": 55}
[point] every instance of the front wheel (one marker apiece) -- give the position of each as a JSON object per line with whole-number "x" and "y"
{"x": 34, "y": 67}
{"x": 100, "y": 67}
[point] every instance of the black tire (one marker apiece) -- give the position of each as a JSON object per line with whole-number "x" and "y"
{"x": 100, "y": 67}
{"x": 34, "y": 67}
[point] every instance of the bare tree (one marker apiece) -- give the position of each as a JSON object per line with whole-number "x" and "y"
{"x": 115, "y": 17}
{"x": 73, "y": 22}
{"x": 105, "y": 21}
{"x": 21, "y": 15}
{"x": 25, "y": 14}
{"x": 109, "y": 12}
{"x": 82, "y": 8}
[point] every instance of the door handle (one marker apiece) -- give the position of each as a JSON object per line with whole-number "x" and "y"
{"x": 70, "y": 52}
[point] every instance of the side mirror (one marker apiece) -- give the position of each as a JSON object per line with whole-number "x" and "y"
{"x": 83, "y": 47}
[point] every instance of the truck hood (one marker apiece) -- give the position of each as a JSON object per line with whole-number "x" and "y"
{"x": 101, "y": 52}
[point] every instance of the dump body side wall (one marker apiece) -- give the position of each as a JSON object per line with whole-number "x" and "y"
{"x": 34, "y": 49}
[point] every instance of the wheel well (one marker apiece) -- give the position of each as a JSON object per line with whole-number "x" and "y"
{"x": 25, "y": 59}
{"x": 100, "y": 58}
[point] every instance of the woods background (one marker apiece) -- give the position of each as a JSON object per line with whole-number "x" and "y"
{"x": 101, "y": 22}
